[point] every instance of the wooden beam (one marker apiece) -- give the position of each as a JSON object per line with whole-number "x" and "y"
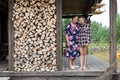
{"x": 11, "y": 35}
{"x": 108, "y": 72}
{"x": 52, "y": 74}
{"x": 113, "y": 12}
{"x": 113, "y": 61}
{"x": 71, "y": 15}
{"x": 59, "y": 34}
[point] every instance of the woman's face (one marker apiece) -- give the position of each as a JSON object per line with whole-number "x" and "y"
{"x": 75, "y": 20}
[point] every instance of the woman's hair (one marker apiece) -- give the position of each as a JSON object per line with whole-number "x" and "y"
{"x": 81, "y": 17}
{"x": 75, "y": 16}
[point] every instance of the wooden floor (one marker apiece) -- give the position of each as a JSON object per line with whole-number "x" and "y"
{"x": 93, "y": 64}
{"x": 4, "y": 78}
{"x": 3, "y": 65}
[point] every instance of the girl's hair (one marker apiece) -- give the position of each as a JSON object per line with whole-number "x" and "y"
{"x": 88, "y": 21}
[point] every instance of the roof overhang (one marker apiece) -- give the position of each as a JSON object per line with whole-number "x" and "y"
{"x": 79, "y": 7}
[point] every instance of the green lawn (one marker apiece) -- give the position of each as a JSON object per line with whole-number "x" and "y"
{"x": 104, "y": 55}
{"x": 95, "y": 45}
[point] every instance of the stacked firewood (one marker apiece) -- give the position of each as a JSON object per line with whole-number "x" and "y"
{"x": 34, "y": 35}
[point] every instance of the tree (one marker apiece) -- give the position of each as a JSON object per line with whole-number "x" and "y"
{"x": 65, "y": 22}
{"x": 118, "y": 28}
{"x": 99, "y": 33}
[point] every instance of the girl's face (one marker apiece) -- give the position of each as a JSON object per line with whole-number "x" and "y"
{"x": 75, "y": 20}
{"x": 82, "y": 20}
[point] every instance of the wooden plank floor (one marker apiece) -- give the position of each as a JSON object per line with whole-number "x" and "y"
{"x": 4, "y": 78}
{"x": 3, "y": 65}
{"x": 93, "y": 64}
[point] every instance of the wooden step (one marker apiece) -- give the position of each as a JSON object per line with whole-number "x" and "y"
{"x": 57, "y": 75}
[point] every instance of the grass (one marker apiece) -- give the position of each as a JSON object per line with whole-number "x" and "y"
{"x": 95, "y": 45}
{"x": 103, "y": 55}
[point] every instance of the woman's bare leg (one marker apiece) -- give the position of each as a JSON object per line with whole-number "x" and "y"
{"x": 70, "y": 62}
{"x": 73, "y": 62}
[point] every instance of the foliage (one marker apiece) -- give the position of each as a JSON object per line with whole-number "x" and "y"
{"x": 65, "y": 22}
{"x": 118, "y": 28}
{"x": 99, "y": 33}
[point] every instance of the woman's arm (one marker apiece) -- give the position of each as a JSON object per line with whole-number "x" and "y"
{"x": 66, "y": 36}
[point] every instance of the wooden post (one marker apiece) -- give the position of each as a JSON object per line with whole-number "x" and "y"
{"x": 113, "y": 12}
{"x": 59, "y": 34}
{"x": 0, "y": 28}
{"x": 11, "y": 34}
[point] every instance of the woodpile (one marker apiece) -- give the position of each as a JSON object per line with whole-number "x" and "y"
{"x": 34, "y": 35}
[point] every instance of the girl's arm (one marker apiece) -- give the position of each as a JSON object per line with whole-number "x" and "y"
{"x": 89, "y": 32}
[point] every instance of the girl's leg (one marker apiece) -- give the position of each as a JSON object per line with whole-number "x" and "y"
{"x": 85, "y": 56}
{"x": 81, "y": 58}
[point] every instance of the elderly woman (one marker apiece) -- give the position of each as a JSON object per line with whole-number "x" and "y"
{"x": 72, "y": 51}
{"x": 83, "y": 41}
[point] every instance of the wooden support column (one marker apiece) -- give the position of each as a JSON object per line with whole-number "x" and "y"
{"x": 113, "y": 12}
{"x": 11, "y": 34}
{"x": 59, "y": 34}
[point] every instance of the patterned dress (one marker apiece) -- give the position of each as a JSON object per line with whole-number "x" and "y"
{"x": 84, "y": 35}
{"x": 72, "y": 51}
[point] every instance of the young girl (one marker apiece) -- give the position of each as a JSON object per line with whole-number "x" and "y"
{"x": 83, "y": 41}
{"x": 72, "y": 50}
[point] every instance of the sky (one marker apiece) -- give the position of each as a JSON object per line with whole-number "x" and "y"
{"x": 104, "y": 17}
